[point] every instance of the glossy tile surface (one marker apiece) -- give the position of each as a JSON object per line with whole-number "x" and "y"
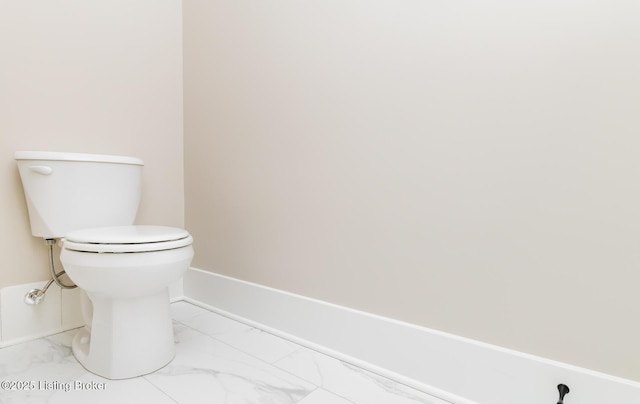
{"x": 218, "y": 360}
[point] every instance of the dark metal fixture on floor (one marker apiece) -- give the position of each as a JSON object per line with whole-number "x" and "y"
{"x": 562, "y": 389}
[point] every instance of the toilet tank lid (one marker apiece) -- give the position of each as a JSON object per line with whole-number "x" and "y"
{"x": 63, "y": 156}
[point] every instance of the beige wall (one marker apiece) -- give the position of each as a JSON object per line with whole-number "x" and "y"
{"x": 88, "y": 76}
{"x": 467, "y": 166}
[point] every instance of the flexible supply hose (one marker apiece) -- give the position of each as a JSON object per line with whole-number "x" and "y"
{"x": 55, "y": 276}
{"x": 36, "y": 296}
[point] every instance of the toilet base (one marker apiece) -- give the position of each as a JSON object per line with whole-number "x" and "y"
{"x": 129, "y": 337}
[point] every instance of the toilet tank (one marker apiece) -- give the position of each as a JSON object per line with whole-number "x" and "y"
{"x": 71, "y": 191}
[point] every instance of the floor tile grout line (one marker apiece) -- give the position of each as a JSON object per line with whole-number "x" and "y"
{"x": 305, "y": 397}
{"x": 291, "y": 373}
{"x": 272, "y": 364}
{"x": 317, "y": 351}
{"x": 344, "y": 362}
{"x": 330, "y": 392}
{"x": 158, "y": 388}
{"x": 250, "y": 328}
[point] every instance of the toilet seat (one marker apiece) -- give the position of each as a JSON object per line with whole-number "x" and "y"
{"x": 127, "y": 239}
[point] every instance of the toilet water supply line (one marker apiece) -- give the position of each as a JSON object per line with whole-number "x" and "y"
{"x": 36, "y": 296}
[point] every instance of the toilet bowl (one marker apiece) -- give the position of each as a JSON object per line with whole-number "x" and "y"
{"x": 125, "y": 271}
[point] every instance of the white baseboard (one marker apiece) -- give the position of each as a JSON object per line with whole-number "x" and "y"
{"x": 453, "y": 368}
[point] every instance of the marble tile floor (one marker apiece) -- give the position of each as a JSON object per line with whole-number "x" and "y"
{"x": 218, "y": 361}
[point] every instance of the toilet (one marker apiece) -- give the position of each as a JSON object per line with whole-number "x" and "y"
{"x": 88, "y": 203}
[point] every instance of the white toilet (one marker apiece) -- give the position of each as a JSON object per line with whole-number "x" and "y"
{"x": 89, "y": 203}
